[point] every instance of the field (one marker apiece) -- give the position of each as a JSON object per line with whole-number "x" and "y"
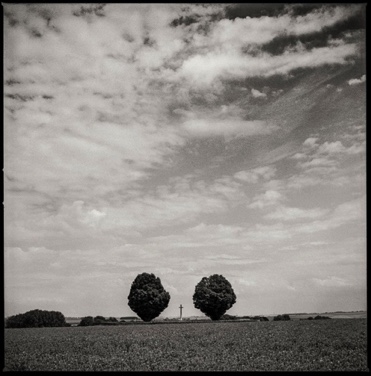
{"x": 332, "y": 315}
{"x": 300, "y": 345}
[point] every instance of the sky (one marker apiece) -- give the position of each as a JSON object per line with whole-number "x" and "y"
{"x": 184, "y": 140}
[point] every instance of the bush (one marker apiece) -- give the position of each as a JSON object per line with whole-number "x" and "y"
{"x": 87, "y": 321}
{"x": 99, "y": 320}
{"x": 147, "y": 297}
{"x": 36, "y": 319}
{"x": 281, "y": 318}
{"x": 318, "y": 317}
{"x": 214, "y": 295}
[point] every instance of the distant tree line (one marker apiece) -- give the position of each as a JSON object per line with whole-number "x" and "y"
{"x": 98, "y": 320}
{"x": 256, "y": 318}
{"x": 318, "y": 317}
{"x": 284, "y": 317}
{"x": 213, "y": 296}
{"x": 36, "y": 319}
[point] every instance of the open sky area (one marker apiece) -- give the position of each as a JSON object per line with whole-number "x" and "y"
{"x": 184, "y": 140}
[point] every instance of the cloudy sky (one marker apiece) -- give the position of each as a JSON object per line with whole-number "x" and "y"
{"x": 184, "y": 140}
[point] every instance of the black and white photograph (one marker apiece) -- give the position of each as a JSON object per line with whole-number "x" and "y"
{"x": 184, "y": 187}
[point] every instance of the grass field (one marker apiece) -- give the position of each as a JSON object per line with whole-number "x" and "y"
{"x": 301, "y": 345}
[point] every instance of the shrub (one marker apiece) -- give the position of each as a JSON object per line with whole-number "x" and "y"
{"x": 214, "y": 295}
{"x": 87, "y": 321}
{"x": 99, "y": 320}
{"x": 36, "y": 319}
{"x": 318, "y": 317}
{"x": 147, "y": 297}
{"x": 263, "y": 318}
{"x": 281, "y": 318}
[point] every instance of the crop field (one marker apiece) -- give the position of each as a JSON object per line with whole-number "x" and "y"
{"x": 332, "y": 315}
{"x": 301, "y": 345}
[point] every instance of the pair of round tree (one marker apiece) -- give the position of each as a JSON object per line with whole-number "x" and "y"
{"x": 213, "y": 296}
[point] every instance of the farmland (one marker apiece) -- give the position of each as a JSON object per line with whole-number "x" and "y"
{"x": 300, "y": 345}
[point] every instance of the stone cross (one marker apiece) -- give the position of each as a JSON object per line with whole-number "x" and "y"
{"x": 181, "y": 307}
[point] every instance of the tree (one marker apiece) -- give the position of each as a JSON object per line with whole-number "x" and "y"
{"x": 284, "y": 317}
{"x": 36, "y": 319}
{"x": 99, "y": 320}
{"x": 87, "y": 321}
{"x": 147, "y": 297}
{"x": 214, "y": 295}
{"x": 318, "y": 317}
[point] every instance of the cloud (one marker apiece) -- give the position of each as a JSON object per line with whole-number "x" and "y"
{"x": 268, "y": 198}
{"x": 331, "y": 147}
{"x": 317, "y": 162}
{"x": 93, "y": 123}
{"x": 357, "y": 81}
{"x": 202, "y": 70}
{"x": 224, "y": 121}
{"x": 284, "y": 213}
{"x": 350, "y": 210}
{"x": 257, "y": 94}
{"x": 253, "y": 176}
{"x": 240, "y": 32}
{"x": 114, "y": 269}
{"x": 345, "y": 213}
{"x": 83, "y": 224}
{"x": 332, "y": 281}
{"x": 227, "y": 127}
{"x": 311, "y": 142}
{"x": 321, "y": 159}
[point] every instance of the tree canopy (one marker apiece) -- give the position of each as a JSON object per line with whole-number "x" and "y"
{"x": 36, "y": 319}
{"x": 87, "y": 321}
{"x": 214, "y": 295}
{"x": 147, "y": 297}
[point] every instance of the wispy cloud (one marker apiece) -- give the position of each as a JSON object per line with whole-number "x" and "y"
{"x": 204, "y": 69}
{"x": 331, "y": 282}
{"x": 267, "y": 198}
{"x": 356, "y": 81}
{"x": 293, "y": 214}
{"x": 253, "y": 176}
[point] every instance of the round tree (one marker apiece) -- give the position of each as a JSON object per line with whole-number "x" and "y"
{"x": 213, "y": 296}
{"x": 148, "y": 297}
